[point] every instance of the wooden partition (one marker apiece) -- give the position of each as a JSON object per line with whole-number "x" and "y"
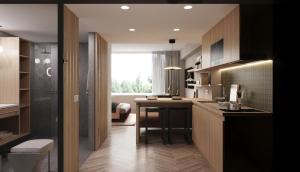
{"x": 9, "y": 70}
{"x": 71, "y": 92}
{"x": 97, "y": 90}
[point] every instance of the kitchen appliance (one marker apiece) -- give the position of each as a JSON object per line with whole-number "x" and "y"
{"x": 234, "y": 95}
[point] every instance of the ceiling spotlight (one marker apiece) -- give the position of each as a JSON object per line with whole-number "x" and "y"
{"x": 125, "y": 7}
{"x": 176, "y": 29}
{"x": 188, "y": 7}
{"x": 131, "y": 29}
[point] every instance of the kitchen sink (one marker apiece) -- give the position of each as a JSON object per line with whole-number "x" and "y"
{"x": 242, "y": 110}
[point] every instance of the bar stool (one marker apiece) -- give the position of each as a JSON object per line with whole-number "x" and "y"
{"x": 161, "y": 113}
{"x": 187, "y": 122}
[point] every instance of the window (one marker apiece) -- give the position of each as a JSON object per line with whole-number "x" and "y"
{"x": 131, "y": 73}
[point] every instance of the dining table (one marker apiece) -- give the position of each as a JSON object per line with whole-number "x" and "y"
{"x": 167, "y": 103}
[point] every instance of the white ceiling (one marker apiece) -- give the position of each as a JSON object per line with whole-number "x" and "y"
{"x": 154, "y": 24}
{"x": 33, "y": 22}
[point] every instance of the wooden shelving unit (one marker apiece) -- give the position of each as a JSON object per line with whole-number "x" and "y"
{"x": 15, "y": 119}
{"x": 24, "y": 87}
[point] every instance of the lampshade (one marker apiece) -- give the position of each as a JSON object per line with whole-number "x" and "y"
{"x": 172, "y": 68}
{"x": 173, "y": 63}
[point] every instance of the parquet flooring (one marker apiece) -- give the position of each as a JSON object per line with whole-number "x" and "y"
{"x": 119, "y": 153}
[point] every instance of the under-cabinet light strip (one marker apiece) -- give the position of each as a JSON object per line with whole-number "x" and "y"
{"x": 247, "y": 65}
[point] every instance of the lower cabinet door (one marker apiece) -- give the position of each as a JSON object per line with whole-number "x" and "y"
{"x": 208, "y": 136}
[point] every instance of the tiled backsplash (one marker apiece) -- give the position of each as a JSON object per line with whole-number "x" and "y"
{"x": 256, "y": 80}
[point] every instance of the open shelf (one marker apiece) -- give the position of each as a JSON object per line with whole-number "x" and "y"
{"x": 24, "y": 72}
{"x": 24, "y": 56}
{"x": 2, "y": 116}
{"x": 24, "y": 120}
{"x": 199, "y": 70}
{"x": 24, "y": 106}
{"x": 9, "y": 139}
{"x": 24, "y": 87}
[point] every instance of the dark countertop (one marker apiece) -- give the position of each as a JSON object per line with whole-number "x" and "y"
{"x": 215, "y": 108}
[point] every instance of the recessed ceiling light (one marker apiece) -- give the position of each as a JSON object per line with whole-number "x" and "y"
{"x": 125, "y": 7}
{"x": 131, "y": 29}
{"x": 176, "y": 29}
{"x": 188, "y": 7}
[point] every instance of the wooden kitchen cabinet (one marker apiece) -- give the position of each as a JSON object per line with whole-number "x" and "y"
{"x": 208, "y": 136}
{"x": 229, "y": 142}
{"x": 247, "y": 35}
{"x": 206, "y": 51}
{"x": 231, "y": 36}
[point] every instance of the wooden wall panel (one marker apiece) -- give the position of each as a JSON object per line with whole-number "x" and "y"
{"x": 71, "y": 91}
{"x": 98, "y": 89}
{"x": 232, "y": 36}
{"x": 208, "y": 136}
{"x": 103, "y": 82}
{"x": 9, "y": 70}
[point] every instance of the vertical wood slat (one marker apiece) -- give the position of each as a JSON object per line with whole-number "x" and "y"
{"x": 71, "y": 89}
{"x": 208, "y": 136}
{"x": 97, "y": 90}
{"x": 9, "y": 70}
{"x": 101, "y": 88}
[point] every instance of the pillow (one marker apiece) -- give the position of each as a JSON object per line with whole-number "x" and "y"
{"x": 124, "y": 107}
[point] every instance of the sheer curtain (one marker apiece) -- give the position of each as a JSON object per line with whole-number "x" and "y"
{"x": 159, "y": 73}
{"x": 162, "y": 77}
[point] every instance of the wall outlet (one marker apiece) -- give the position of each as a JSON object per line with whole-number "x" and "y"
{"x": 76, "y": 98}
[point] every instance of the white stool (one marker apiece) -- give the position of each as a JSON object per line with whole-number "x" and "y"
{"x": 27, "y": 156}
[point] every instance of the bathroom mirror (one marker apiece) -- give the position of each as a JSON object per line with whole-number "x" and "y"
{"x": 233, "y": 92}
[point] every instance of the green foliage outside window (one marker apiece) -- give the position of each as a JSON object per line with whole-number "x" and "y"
{"x": 137, "y": 86}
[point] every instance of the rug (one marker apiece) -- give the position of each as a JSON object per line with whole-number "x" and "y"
{"x": 130, "y": 121}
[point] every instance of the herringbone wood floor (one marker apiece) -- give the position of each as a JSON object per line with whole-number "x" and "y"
{"x": 120, "y": 154}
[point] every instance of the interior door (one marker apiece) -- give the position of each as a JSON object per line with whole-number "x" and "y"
{"x": 71, "y": 91}
{"x": 97, "y": 90}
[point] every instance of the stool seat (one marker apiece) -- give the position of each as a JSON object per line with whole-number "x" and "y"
{"x": 33, "y": 146}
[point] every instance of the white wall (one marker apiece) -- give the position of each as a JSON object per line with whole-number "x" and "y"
{"x": 188, "y": 49}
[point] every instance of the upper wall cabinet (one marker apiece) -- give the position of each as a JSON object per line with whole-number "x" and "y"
{"x": 243, "y": 34}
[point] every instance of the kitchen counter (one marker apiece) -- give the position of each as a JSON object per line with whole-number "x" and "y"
{"x": 215, "y": 108}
